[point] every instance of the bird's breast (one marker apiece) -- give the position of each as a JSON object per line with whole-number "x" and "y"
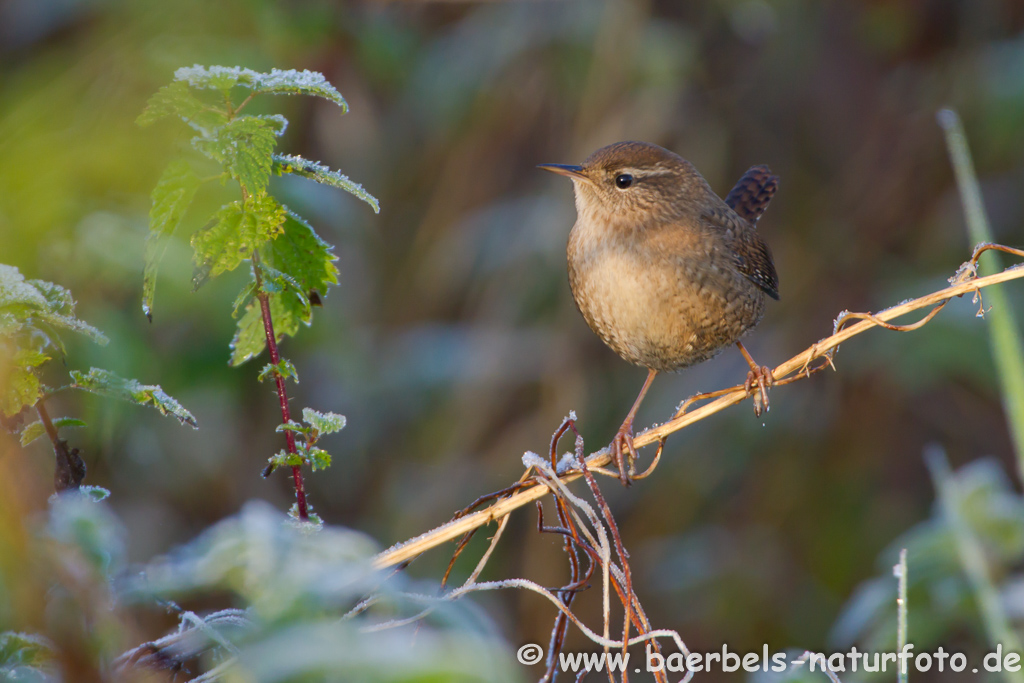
{"x": 659, "y": 300}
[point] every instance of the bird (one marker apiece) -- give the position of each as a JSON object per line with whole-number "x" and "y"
{"x": 663, "y": 270}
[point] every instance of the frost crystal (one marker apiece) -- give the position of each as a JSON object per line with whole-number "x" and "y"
{"x": 531, "y": 459}
{"x": 277, "y": 82}
{"x": 567, "y": 463}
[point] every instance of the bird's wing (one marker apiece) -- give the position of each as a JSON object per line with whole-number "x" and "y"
{"x": 749, "y": 251}
{"x": 750, "y": 197}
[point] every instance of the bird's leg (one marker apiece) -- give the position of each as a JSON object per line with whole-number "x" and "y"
{"x": 760, "y": 376}
{"x": 623, "y": 452}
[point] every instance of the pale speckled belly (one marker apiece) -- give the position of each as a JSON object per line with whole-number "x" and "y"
{"x": 666, "y": 316}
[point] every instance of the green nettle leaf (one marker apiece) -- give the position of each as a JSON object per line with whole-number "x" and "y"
{"x": 36, "y": 429}
{"x": 22, "y": 390}
{"x": 291, "y": 82}
{"x": 171, "y": 198}
{"x": 276, "y": 122}
{"x": 238, "y": 229}
{"x": 300, "y": 252}
{"x": 285, "y": 459}
{"x": 21, "y": 387}
{"x": 24, "y": 656}
{"x": 37, "y": 305}
{"x": 106, "y": 383}
{"x": 277, "y": 82}
{"x": 289, "y": 313}
{"x": 18, "y": 296}
{"x": 292, "y": 426}
{"x": 32, "y": 432}
{"x": 176, "y": 99}
{"x": 286, "y": 310}
{"x": 95, "y": 494}
{"x": 71, "y": 323}
{"x": 245, "y": 146}
{"x": 221, "y": 78}
{"x": 276, "y": 281}
{"x": 283, "y": 369}
{"x": 313, "y": 522}
{"x": 296, "y": 165}
{"x": 244, "y": 297}
{"x": 58, "y": 299}
{"x": 324, "y": 423}
{"x": 250, "y": 337}
{"x": 318, "y": 458}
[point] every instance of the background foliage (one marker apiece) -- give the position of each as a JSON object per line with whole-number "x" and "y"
{"x": 451, "y": 342}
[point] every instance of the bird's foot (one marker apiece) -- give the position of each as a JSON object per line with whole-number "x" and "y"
{"x": 759, "y": 381}
{"x": 623, "y": 452}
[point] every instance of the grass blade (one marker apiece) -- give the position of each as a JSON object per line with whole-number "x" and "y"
{"x": 1007, "y": 347}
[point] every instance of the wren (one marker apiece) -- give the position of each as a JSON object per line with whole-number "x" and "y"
{"x": 663, "y": 270}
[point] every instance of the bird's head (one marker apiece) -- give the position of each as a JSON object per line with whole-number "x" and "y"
{"x": 634, "y": 181}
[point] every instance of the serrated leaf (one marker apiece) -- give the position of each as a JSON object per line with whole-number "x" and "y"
{"x": 94, "y": 493}
{"x": 75, "y": 325}
{"x": 285, "y": 459}
{"x": 276, "y": 122}
{"x": 244, "y": 296}
{"x": 283, "y": 369}
{"x": 62, "y": 422}
{"x": 30, "y": 305}
{"x": 24, "y": 651}
{"x": 300, "y": 252}
{"x": 221, "y": 78}
{"x": 238, "y": 229}
{"x": 288, "y": 314}
{"x": 35, "y": 430}
{"x": 292, "y": 82}
{"x": 276, "y": 281}
{"x": 277, "y": 82}
{"x": 295, "y": 165}
{"x": 15, "y": 291}
{"x": 173, "y": 99}
{"x": 250, "y": 337}
{"x": 318, "y": 458}
{"x": 106, "y": 383}
{"x": 245, "y": 147}
{"x": 325, "y": 423}
{"x": 313, "y": 522}
{"x": 21, "y": 391}
{"x": 58, "y": 299}
{"x": 292, "y": 426}
{"x": 171, "y": 198}
{"x": 176, "y": 99}
{"x": 21, "y": 387}
{"x": 31, "y": 433}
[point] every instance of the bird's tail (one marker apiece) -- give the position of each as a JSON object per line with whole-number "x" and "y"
{"x": 752, "y": 193}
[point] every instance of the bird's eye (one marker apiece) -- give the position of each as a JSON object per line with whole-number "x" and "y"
{"x": 623, "y": 181}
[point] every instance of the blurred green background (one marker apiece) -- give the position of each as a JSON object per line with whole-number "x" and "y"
{"x": 452, "y": 343}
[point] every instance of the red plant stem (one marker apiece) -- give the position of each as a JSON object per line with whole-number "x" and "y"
{"x": 282, "y": 395}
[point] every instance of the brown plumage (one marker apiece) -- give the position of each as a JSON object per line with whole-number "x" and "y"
{"x": 751, "y": 194}
{"x": 663, "y": 270}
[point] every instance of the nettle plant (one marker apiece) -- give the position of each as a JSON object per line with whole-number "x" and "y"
{"x": 33, "y": 313}
{"x": 290, "y": 266}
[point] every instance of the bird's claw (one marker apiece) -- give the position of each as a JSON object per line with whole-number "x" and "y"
{"x": 761, "y": 378}
{"x": 624, "y": 453}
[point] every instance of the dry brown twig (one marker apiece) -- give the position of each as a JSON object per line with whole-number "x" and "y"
{"x": 594, "y": 531}
{"x": 965, "y": 281}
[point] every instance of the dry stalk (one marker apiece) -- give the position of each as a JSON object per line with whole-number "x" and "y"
{"x": 597, "y": 535}
{"x": 965, "y": 281}
{"x": 592, "y": 530}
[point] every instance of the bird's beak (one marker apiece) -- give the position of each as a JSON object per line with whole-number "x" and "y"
{"x": 575, "y": 172}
